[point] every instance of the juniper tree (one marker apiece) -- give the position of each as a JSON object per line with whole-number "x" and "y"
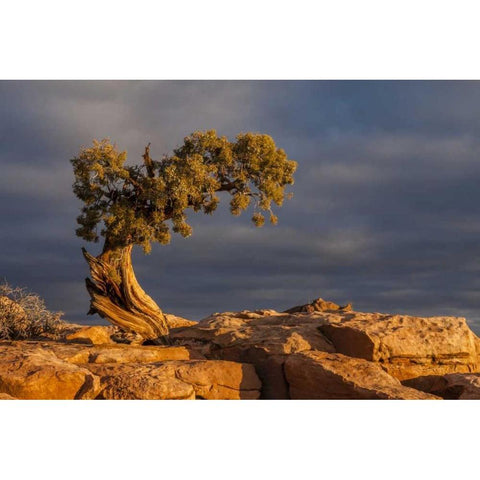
{"x": 129, "y": 205}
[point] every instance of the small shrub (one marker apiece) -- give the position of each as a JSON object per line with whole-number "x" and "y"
{"x": 24, "y": 315}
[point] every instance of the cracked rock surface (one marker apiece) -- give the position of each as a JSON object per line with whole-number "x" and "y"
{"x": 54, "y": 370}
{"x": 399, "y": 347}
{"x": 336, "y": 354}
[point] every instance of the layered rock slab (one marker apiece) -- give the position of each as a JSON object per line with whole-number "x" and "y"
{"x": 263, "y": 338}
{"x": 406, "y": 346}
{"x": 453, "y": 386}
{"x": 203, "y": 379}
{"x": 320, "y": 375}
{"x": 139, "y": 382}
{"x": 275, "y": 333}
{"x": 33, "y": 373}
{"x": 403, "y": 346}
{"x": 96, "y": 335}
{"x": 81, "y": 354}
{"x": 49, "y": 370}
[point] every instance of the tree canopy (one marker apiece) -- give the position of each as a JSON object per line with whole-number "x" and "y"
{"x": 140, "y": 204}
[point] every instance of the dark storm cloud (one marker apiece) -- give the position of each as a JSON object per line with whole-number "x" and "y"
{"x": 385, "y": 212}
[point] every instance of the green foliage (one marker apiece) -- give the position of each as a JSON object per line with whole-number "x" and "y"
{"x": 134, "y": 204}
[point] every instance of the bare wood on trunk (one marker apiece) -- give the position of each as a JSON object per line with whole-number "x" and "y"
{"x": 117, "y": 296}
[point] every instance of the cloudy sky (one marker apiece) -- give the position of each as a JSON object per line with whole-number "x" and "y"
{"x": 385, "y": 213}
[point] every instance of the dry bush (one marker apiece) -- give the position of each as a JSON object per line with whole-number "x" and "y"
{"x": 24, "y": 315}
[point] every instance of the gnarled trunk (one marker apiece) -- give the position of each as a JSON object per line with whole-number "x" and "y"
{"x": 117, "y": 296}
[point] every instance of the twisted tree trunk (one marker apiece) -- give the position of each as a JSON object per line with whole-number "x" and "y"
{"x": 117, "y": 296}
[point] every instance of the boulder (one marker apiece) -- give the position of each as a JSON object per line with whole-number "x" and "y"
{"x": 319, "y": 354}
{"x": 263, "y": 337}
{"x": 80, "y": 354}
{"x": 274, "y": 333}
{"x": 319, "y": 305}
{"x": 220, "y": 380}
{"x": 30, "y": 372}
{"x": 96, "y": 335}
{"x": 139, "y": 354}
{"x": 139, "y": 382}
{"x": 320, "y": 375}
{"x": 451, "y": 386}
{"x": 52, "y": 370}
{"x": 269, "y": 368}
{"x": 207, "y": 379}
{"x": 406, "y": 346}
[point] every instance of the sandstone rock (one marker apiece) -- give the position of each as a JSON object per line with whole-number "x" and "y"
{"x": 80, "y": 354}
{"x": 220, "y": 380}
{"x": 320, "y": 375}
{"x": 34, "y": 373}
{"x": 406, "y": 346}
{"x": 51, "y": 370}
{"x": 96, "y": 335}
{"x": 139, "y": 382}
{"x": 138, "y": 354}
{"x": 208, "y": 379}
{"x": 270, "y": 369}
{"x": 275, "y": 333}
{"x": 319, "y": 305}
{"x": 321, "y": 354}
{"x": 263, "y": 338}
{"x": 450, "y": 386}
{"x": 178, "y": 322}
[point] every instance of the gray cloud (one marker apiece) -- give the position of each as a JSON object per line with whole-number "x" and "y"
{"x": 385, "y": 212}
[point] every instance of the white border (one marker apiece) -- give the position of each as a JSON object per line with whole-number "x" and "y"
{"x": 238, "y": 440}
{"x": 241, "y": 40}
{"x": 251, "y": 39}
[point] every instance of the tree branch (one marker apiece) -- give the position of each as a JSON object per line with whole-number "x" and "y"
{"x": 148, "y": 161}
{"x": 227, "y": 187}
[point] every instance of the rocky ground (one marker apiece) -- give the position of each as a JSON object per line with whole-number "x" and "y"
{"x": 329, "y": 354}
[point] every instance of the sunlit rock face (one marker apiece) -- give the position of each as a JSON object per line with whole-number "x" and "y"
{"x": 320, "y": 375}
{"x": 406, "y": 346}
{"x": 55, "y": 370}
{"x": 401, "y": 346}
{"x": 96, "y": 335}
{"x": 28, "y": 371}
{"x": 195, "y": 379}
{"x": 263, "y": 338}
{"x": 327, "y": 353}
